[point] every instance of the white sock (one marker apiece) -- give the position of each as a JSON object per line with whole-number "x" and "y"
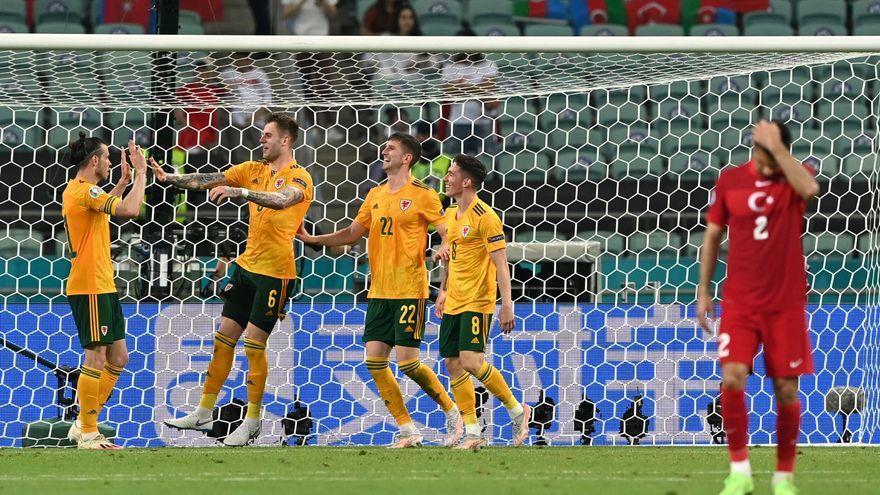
{"x": 452, "y": 411}
{"x": 472, "y": 430}
{"x": 781, "y": 476}
{"x": 409, "y": 429}
{"x": 743, "y": 467}
{"x": 204, "y": 412}
{"x": 516, "y": 410}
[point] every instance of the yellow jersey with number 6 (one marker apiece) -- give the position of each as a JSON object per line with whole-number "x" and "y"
{"x": 471, "y": 284}
{"x": 398, "y": 224}
{"x": 86, "y": 211}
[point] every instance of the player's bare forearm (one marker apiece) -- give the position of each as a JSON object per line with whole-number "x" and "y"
{"x": 342, "y": 237}
{"x": 709, "y": 257}
{"x": 196, "y": 181}
{"x": 276, "y": 200}
{"x": 800, "y": 179}
{"x": 502, "y": 274}
{"x": 130, "y": 206}
{"x": 118, "y": 190}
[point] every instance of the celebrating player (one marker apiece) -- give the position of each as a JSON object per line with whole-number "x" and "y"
{"x": 396, "y": 215}
{"x": 90, "y": 290}
{"x": 763, "y": 202}
{"x": 254, "y": 299}
{"x": 477, "y": 266}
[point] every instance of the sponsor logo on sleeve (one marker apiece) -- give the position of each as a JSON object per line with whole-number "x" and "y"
{"x": 496, "y": 238}
{"x": 95, "y": 192}
{"x": 300, "y": 182}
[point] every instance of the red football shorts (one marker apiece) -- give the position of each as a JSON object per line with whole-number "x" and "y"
{"x": 785, "y": 336}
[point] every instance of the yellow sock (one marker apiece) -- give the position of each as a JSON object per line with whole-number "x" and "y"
{"x": 496, "y": 385}
{"x": 389, "y": 390}
{"x": 218, "y": 370}
{"x": 87, "y": 394}
{"x": 258, "y": 372}
{"x": 427, "y": 379}
{"x": 108, "y": 381}
{"x": 466, "y": 398}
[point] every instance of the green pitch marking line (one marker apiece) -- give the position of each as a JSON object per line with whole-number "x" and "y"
{"x": 428, "y": 471}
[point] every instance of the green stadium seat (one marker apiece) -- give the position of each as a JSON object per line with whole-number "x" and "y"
{"x": 64, "y": 11}
{"x": 861, "y": 144}
{"x": 620, "y": 96}
{"x": 196, "y": 29}
{"x": 580, "y": 165}
{"x": 125, "y": 125}
{"x": 850, "y": 88}
{"x": 822, "y": 29}
{"x": 13, "y": 11}
{"x": 676, "y": 90}
{"x": 767, "y": 29}
{"x": 490, "y": 12}
{"x": 548, "y": 30}
{"x": 189, "y": 17}
{"x": 865, "y": 12}
{"x": 825, "y": 243}
{"x": 495, "y": 29}
{"x": 692, "y": 155}
{"x": 20, "y": 129}
{"x": 679, "y": 116}
{"x": 609, "y": 115}
{"x": 66, "y": 124}
{"x": 821, "y": 11}
{"x": 631, "y": 151}
{"x": 115, "y": 28}
{"x": 798, "y": 113}
{"x": 736, "y": 118}
{"x": 604, "y": 30}
{"x": 660, "y": 30}
{"x": 858, "y": 68}
{"x": 10, "y": 26}
{"x": 565, "y": 119}
{"x": 714, "y": 30}
{"x": 560, "y": 102}
{"x": 858, "y": 167}
{"x": 728, "y": 93}
{"x": 843, "y": 115}
{"x": 440, "y": 26}
{"x": 60, "y": 28}
{"x": 574, "y": 138}
{"x": 867, "y": 30}
{"x": 431, "y": 10}
{"x": 811, "y": 141}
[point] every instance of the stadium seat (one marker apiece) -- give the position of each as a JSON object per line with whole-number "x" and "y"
{"x": 824, "y": 243}
{"x": 779, "y": 12}
{"x": 440, "y": 26}
{"x": 867, "y": 30}
{"x": 60, "y": 28}
{"x": 490, "y": 12}
{"x": 714, "y": 30}
{"x": 564, "y": 119}
{"x": 822, "y": 29}
{"x": 660, "y": 30}
{"x": 189, "y": 17}
{"x": 736, "y": 118}
{"x": 125, "y": 125}
{"x": 767, "y": 29}
{"x": 625, "y": 113}
{"x": 196, "y": 29}
{"x": 692, "y": 156}
{"x": 633, "y": 151}
{"x": 20, "y": 129}
{"x": 798, "y": 113}
{"x": 114, "y": 28}
{"x": 577, "y": 166}
{"x": 362, "y": 7}
{"x": 10, "y": 26}
{"x": 843, "y": 115}
{"x": 858, "y": 167}
{"x": 730, "y": 92}
{"x": 633, "y": 94}
{"x": 495, "y": 29}
{"x": 865, "y": 12}
{"x": 13, "y": 11}
{"x": 679, "y": 116}
{"x": 821, "y": 11}
{"x": 575, "y": 138}
{"x": 860, "y": 144}
{"x": 65, "y": 125}
{"x": 449, "y": 10}
{"x": 63, "y": 11}
{"x": 676, "y": 90}
{"x": 560, "y": 102}
{"x": 786, "y": 85}
{"x": 548, "y": 30}
{"x": 850, "y": 88}
{"x": 736, "y": 146}
{"x": 604, "y": 30}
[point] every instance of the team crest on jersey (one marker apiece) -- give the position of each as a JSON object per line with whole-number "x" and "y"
{"x": 405, "y": 204}
{"x": 465, "y": 230}
{"x": 279, "y": 183}
{"x": 227, "y": 288}
{"x": 103, "y": 329}
{"x": 95, "y": 191}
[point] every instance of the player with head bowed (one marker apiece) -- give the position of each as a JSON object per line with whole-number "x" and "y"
{"x": 761, "y": 204}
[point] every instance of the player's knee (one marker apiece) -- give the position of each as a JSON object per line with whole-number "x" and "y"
{"x": 96, "y": 358}
{"x": 118, "y": 358}
{"x": 471, "y": 364}
{"x": 786, "y": 390}
{"x": 734, "y": 377}
{"x": 453, "y": 367}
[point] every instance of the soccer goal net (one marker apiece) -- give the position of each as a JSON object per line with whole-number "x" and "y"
{"x": 603, "y": 153}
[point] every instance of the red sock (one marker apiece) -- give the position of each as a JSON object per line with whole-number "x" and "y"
{"x": 788, "y": 427}
{"x": 736, "y": 423}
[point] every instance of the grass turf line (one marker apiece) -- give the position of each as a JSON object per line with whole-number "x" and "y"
{"x": 428, "y": 471}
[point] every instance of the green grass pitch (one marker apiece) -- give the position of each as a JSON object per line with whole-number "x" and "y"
{"x": 425, "y": 471}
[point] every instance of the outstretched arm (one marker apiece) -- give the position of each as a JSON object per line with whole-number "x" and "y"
{"x": 342, "y": 237}
{"x": 188, "y": 181}
{"x": 274, "y": 200}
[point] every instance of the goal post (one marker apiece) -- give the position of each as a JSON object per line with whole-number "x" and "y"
{"x": 603, "y": 152}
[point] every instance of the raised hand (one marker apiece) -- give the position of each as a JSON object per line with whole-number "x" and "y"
{"x": 766, "y": 134}
{"x": 125, "y": 169}
{"x": 158, "y": 173}
{"x": 137, "y": 158}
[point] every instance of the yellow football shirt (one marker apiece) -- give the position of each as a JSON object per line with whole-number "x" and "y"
{"x": 86, "y": 211}
{"x": 269, "y": 249}
{"x": 398, "y": 224}
{"x": 471, "y": 284}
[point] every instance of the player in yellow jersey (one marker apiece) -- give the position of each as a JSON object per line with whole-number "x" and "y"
{"x": 279, "y": 192}
{"x": 396, "y": 216}
{"x": 476, "y": 268}
{"x": 94, "y": 302}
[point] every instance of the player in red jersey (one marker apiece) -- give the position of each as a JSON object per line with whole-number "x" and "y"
{"x": 762, "y": 203}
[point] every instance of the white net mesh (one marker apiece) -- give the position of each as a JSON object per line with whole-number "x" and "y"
{"x": 602, "y": 167}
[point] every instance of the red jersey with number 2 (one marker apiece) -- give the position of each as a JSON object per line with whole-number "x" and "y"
{"x": 766, "y": 269}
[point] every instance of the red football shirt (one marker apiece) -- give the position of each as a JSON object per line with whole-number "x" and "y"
{"x": 766, "y": 269}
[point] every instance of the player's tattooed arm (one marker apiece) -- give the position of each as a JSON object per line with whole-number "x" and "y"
{"x": 188, "y": 181}
{"x": 276, "y": 200}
